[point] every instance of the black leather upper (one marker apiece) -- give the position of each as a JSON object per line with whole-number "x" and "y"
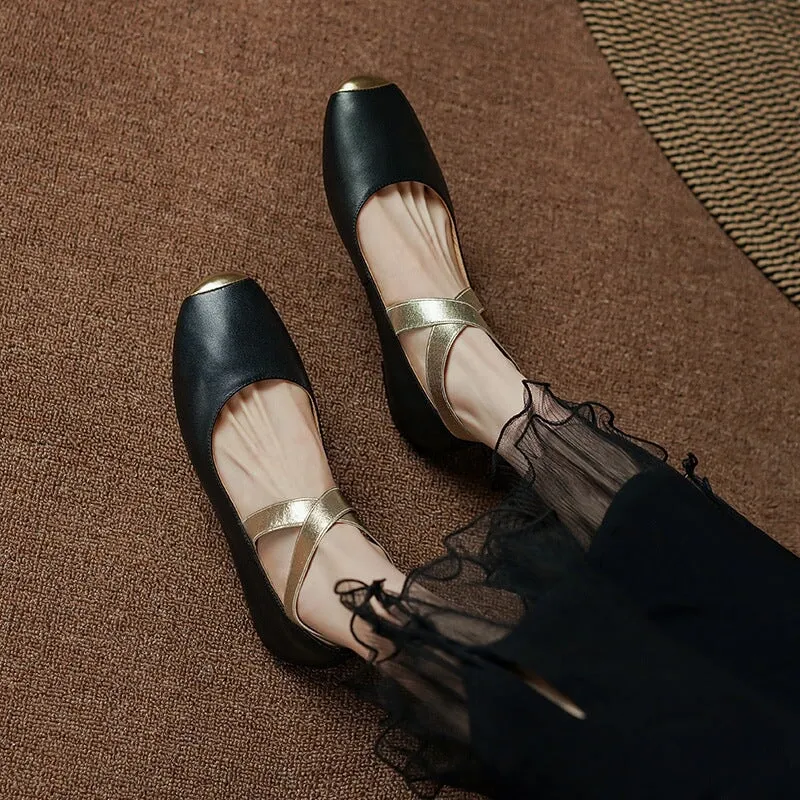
{"x": 225, "y": 339}
{"x": 372, "y": 139}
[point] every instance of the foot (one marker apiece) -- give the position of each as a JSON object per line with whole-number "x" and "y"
{"x": 407, "y": 239}
{"x": 267, "y": 449}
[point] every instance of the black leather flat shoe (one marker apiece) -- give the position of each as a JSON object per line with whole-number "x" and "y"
{"x": 373, "y": 139}
{"x": 229, "y": 336}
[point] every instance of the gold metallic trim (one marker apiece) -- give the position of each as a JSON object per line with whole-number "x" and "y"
{"x": 468, "y": 296}
{"x": 329, "y": 509}
{"x": 429, "y": 311}
{"x": 549, "y": 692}
{"x": 446, "y": 318}
{"x": 360, "y": 82}
{"x": 440, "y": 341}
{"x": 218, "y": 281}
{"x": 315, "y": 517}
{"x": 289, "y": 514}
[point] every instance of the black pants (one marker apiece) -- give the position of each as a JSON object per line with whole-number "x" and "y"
{"x": 666, "y": 618}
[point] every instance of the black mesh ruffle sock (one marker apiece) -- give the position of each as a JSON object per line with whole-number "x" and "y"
{"x": 520, "y": 662}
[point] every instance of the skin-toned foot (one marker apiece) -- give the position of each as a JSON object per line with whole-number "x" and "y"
{"x": 407, "y": 239}
{"x": 267, "y": 449}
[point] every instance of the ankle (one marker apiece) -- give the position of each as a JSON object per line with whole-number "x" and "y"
{"x": 344, "y": 554}
{"x": 483, "y": 386}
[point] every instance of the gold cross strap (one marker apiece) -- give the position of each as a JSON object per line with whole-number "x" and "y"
{"x": 446, "y": 318}
{"x": 428, "y": 311}
{"x": 315, "y": 517}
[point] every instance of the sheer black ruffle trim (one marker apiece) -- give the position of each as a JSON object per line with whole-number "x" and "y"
{"x": 569, "y": 461}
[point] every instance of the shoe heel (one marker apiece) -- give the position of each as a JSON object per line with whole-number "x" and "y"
{"x": 275, "y": 631}
{"x": 411, "y": 411}
{"x": 414, "y": 416}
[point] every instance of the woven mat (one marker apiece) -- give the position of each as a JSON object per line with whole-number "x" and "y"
{"x": 717, "y": 83}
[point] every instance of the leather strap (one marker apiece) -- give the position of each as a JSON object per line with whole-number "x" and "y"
{"x": 315, "y": 517}
{"x": 428, "y": 311}
{"x": 446, "y": 318}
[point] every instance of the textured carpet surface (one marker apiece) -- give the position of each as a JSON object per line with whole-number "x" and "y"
{"x": 145, "y": 145}
{"x": 717, "y": 82}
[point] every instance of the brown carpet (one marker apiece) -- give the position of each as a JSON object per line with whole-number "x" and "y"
{"x": 718, "y": 85}
{"x": 145, "y": 145}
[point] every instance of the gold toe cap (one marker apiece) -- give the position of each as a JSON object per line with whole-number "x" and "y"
{"x": 362, "y": 82}
{"x": 218, "y": 281}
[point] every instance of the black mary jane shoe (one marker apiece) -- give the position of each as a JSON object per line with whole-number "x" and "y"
{"x": 373, "y": 139}
{"x": 229, "y": 336}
